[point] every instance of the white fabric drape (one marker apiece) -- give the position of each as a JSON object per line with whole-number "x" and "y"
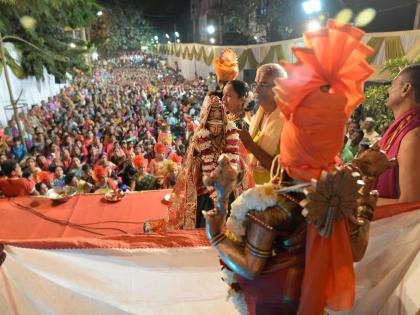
{"x": 388, "y": 277}
{"x": 187, "y": 280}
{"x": 114, "y": 281}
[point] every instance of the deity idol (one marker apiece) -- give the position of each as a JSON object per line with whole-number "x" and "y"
{"x": 289, "y": 248}
{"x": 214, "y": 136}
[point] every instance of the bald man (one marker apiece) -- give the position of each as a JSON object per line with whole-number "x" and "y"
{"x": 402, "y": 140}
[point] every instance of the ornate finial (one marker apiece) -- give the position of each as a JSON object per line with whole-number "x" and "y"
{"x": 332, "y": 197}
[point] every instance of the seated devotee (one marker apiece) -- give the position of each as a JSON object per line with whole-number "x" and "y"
{"x": 142, "y": 180}
{"x": 18, "y": 150}
{"x": 82, "y": 187}
{"x": 58, "y": 177}
{"x": 14, "y": 185}
{"x": 402, "y": 140}
{"x": 355, "y": 139}
{"x": 370, "y": 135}
{"x": 345, "y": 154}
{"x": 263, "y": 138}
{"x": 156, "y": 164}
{"x": 103, "y": 182}
{"x": 171, "y": 167}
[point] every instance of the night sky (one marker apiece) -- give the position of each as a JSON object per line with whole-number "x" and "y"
{"x": 170, "y": 15}
{"x": 392, "y": 15}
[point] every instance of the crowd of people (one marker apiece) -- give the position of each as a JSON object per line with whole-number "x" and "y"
{"x": 125, "y": 126}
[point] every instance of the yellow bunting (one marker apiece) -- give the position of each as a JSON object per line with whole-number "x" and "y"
{"x": 344, "y": 16}
{"x": 28, "y": 22}
{"x": 365, "y": 17}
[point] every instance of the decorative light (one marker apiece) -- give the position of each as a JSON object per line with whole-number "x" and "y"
{"x": 72, "y": 45}
{"x": 255, "y": 37}
{"x": 167, "y": 35}
{"x": 211, "y": 29}
{"x": 311, "y": 6}
{"x": 314, "y": 25}
{"x": 176, "y": 34}
{"x": 178, "y": 40}
{"x": 169, "y": 42}
{"x": 28, "y": 22}
{"x": 156, "y": 37}
{"x": 99, "y": 13}
{"x": 365, "y": 17}
{"x": 212, "y": 40}
{"x": 344, "y": 16}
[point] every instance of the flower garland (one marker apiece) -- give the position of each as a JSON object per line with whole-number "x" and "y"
{"x": 258, "y": 198}
{"x": 237, "y": 296}
{"x": 209, "y": 156}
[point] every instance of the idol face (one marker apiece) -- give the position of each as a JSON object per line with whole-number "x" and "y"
{"x": 215, "y": 129}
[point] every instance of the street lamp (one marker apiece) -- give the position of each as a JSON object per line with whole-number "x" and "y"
{"x": 212, "y": 40}
{"x": 176, "y": 34}
{"x": 72, "y": 45}
{"x": 178, "y": 40}
{"x": 167, "y": 35}
{"x": 169, "y": 41}
{"x": 311, "y": 6}
{"x": 314, "y": 25}
{"x": 211, "y": 29}
{"x": 99, "y": 13}
{"x": 156, "y": 37}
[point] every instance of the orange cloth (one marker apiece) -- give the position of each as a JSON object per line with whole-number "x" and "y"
{"x": 160, "y": 148}
{"x": 139, "y": 161}
{"x": 99, "y": 172}
{"x": 334, "y": 56}
{"x": 98, "y": 217}
{"x": 316, "y": 99}
{"x": 387, "y": 211}
{"x": 226, "y": 66}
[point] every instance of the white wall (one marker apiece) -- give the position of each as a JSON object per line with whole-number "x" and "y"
{"x": 33, "y": 90}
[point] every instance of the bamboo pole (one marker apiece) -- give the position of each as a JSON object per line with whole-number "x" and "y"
{"x": 9, "y": 87}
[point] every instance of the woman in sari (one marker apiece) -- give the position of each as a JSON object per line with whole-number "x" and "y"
{"x": 238, "y": 101}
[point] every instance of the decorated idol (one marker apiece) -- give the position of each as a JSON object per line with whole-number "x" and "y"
{"x": 214, "y": 136}
{"x": 289, "y": 245}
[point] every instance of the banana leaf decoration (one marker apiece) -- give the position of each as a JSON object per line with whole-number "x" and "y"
{"x": 14, "y": 66}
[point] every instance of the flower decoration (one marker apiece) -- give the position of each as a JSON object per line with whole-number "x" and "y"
{"x": 332, "y": 197}
{"x": 226, "y": 66}
{"x": 257, "y": 198}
